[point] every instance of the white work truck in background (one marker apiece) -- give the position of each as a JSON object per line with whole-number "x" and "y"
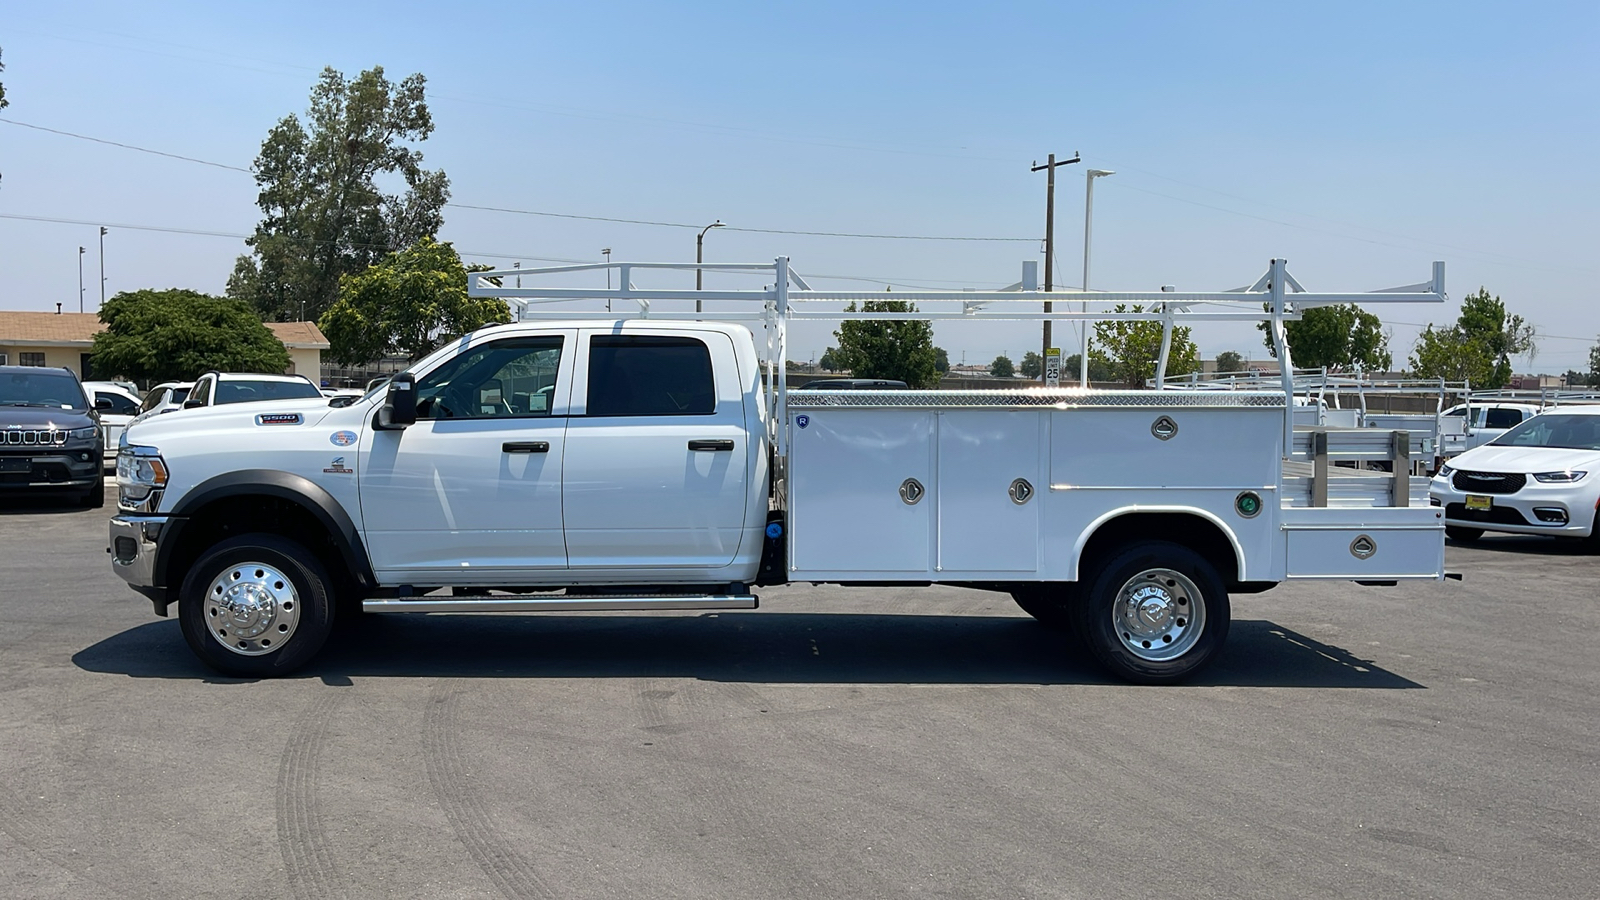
{"x": 656, "y": 460}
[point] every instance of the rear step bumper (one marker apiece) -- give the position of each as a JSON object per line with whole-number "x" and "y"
{"x": 593, "y": 603}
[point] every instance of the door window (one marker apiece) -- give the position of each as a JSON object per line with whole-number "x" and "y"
{"x": 650, "y": 376}
{"x": 1503, "y": 418}
{"x": 120, "y": 405}
{"x": 505, "y": 379}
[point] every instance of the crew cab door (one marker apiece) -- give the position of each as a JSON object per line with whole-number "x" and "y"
{"x": 657, "y": 452}
{"x": 471, "y": 493}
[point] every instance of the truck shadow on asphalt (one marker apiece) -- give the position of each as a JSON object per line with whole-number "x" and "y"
{"x": 793, "y": 648}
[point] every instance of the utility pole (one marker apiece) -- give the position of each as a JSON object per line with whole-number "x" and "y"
{"x": 1050, "y": 232}
{"x": 80, "y": 279}
{"x": 102, "y": 265}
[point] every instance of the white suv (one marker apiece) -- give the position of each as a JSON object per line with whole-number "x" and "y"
{"x": 1541, "y": 477}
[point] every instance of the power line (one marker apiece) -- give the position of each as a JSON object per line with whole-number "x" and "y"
{"x": 544, "y": 213}
{"x": 85, "y": 137}
{"x": 165, "y": 229}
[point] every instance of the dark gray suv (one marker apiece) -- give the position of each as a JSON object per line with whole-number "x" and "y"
{"x": 50, "y": 437}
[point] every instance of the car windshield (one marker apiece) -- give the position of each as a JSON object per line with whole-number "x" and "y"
{"x": 55, "y": 390}
{"x": 239, "y": 391}
{"x": 1572, "y": 432}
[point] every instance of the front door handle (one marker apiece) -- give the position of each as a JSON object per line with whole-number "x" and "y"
{"x": 525, "y": 447}
{"x": 711, "y": 445}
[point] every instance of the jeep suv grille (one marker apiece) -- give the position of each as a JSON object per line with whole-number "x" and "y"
{"x": 45, "y": 436}
{"x": 1488, "y": 482}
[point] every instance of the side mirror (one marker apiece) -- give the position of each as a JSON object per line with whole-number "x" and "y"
{"x": 342, "y": 401}
{"x": 102, "y": 403}
{"x": 400, "y": 407}
{"x": 193, "y": 404}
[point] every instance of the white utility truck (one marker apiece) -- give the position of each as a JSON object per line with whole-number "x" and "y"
{"x": 655, "y": 460}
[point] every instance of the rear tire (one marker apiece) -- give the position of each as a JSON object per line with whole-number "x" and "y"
{"x": 256, "y": 606}
{"x": 1154, "y": 613}
{"x": 1461, "y": 534}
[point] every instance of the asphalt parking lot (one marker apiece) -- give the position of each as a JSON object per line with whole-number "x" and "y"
{"x": 1420, "y": 741}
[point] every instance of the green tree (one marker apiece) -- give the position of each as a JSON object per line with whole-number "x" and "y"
{"x": 407, "y": 305}
{"x": 1130, "y": 349}
{"x": 1002, "y": 367}
{"x": 174, "y": 335}
{"x": 1338, "y": 337}
{"x": 830, "y": 360}
{"x": 1230, "y": 361}
{"x": 941, "y": 361}
{"x": 1032, "y": 365}
{"x": 324, "y": 215}
{"x": 881, "y": 348}
{"x": 1098, "y": 370}
{"x": 1478, "y": 347}
{"x": 1594, "y": 363}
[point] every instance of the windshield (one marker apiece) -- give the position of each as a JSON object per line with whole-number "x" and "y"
{"x": 1570, "y": 432}
{"x": 52, "y": 389}
{"x": 239, "y": 391}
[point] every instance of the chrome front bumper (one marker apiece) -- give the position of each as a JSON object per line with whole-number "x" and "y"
{"x": 133, "y": 549}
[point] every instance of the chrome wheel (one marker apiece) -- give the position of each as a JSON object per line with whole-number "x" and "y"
{"x": 251, "y": 608}
{"x": 1159, "y": 614}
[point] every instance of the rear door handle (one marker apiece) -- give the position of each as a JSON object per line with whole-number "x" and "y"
{"x": 525, "y": 447}
{"x": 711, "y": 445}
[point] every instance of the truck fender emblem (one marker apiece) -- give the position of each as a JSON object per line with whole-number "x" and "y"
{"x": 802, "y": 420}
{"x": 278, "y": 419}
{"x": 1164, "y": 428}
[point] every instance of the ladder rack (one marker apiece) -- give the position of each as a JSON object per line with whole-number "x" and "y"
{"x": 1275, "y": 297}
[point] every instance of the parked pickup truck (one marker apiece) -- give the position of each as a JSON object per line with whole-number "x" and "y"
{"x": 659, "y": 463}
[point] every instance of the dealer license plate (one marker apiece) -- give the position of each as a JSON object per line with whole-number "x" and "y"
{"x": 1479, "y": 501}
{"x": 16, "y": 464}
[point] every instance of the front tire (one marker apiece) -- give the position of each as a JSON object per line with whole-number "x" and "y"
{"x": 1154, "y": 613}
{"x": 1461, "y": 534}
{"x": 256, "y": 606}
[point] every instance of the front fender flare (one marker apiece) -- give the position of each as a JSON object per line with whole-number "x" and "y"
{"x": 271, "y": 483}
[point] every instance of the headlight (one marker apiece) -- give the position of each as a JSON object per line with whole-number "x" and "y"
{"x": 84, "y": 434}
{"x": 1566, "y": 477}
{"x": 1445, "y": 470}
{"x": 141, "y": 476}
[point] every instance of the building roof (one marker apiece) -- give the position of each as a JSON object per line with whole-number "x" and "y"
{"x": 72, "y": 329}
{"x": 48, "y": 328}
{"x": 299, "y": 335}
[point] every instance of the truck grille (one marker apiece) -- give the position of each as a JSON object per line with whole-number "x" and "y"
{"x": 1488, "y": 482}
{"x": 45, "y": 436}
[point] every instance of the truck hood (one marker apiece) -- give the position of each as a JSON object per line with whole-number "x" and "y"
{"x": 1527, "y": 460}
{"x": 239, "y": 417}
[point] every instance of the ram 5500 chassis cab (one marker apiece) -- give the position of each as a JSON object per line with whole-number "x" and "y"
{"x": 658, "y": 462}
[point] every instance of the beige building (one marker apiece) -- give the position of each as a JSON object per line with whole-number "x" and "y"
{"x": 67, "y": 339}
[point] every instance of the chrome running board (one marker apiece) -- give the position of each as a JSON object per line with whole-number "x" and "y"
{"x": 559, "y": 603}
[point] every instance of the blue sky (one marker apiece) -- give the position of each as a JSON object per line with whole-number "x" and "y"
{"x": 1360, "y": 141}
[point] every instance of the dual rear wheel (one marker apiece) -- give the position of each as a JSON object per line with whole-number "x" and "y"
{"x": 1155, "y": 612}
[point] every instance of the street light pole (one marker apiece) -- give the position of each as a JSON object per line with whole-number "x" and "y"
{"x": 1088, "y": 221}
{"x": 699, "y": 247}
{"x": 1050, "y": 233}
{"x": 102, "y": 265}
{"x": 80, "y": 279}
